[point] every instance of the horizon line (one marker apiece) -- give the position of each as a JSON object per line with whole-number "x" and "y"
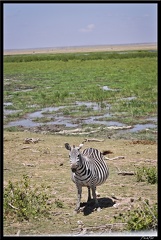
{"x": 78, "y": 46}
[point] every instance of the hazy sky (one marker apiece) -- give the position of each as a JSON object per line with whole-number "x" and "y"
{"x": 28, "y": 25}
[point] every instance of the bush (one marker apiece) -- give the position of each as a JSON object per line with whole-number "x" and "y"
{"x": 22, "y": 202}
{"x": 148, "y": 174}
{"x": 143, "y": 217}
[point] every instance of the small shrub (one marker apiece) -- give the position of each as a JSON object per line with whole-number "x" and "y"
{"x": 151, "y": 175}
{"x": 22, "y": 202}
{"x": 148, "y": 174}
{"x": 141, "y": 218}
{"x": 140, "y": 174}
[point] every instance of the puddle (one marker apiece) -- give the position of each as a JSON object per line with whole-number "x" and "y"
{"x": 23, "y": 90}
{"x": 95, "y": 120}
{"x": 92, "y": 120}
{"x": 33, "y": 105}
{"x": 140, "y": 127}
{"x": 30, "y": 123}
{"x": 106, "y": 88}
{"x": 128, "y": 98}
{"x": 23, "y": 123}
{"x": 63, "y": 121}
{"x": 40, "y": 113}
{"x": 95, "y": 106}
{"x": 7, "y": 104}
{"x": 153, "y": 119}
{"x": 8, "y": 112}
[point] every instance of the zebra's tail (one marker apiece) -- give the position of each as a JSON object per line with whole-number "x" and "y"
{"x": 106, "y": 152}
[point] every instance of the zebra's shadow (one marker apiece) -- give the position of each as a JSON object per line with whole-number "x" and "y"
{"x": 89, "y": 207}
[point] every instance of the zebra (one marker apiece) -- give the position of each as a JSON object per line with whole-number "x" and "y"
{"x": 87, "y": 169}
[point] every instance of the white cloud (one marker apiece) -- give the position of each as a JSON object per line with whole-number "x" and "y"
{"x": 88, "y": 28}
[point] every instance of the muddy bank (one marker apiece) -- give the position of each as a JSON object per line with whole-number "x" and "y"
{"x": 111, "y": 132}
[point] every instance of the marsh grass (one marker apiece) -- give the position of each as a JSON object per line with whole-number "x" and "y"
{"x": 43, "y": 119}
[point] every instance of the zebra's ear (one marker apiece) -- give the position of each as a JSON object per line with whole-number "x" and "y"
{"x": 80, "y": 146}
{"x": 67, "y": 146}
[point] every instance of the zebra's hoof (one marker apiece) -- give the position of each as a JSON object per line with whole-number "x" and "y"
{"x": 99, "y": 209}
{"x": 77, "y": 210}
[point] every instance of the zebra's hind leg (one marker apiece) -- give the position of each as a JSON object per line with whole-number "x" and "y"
{"x": 97, "y": 194}
{"x": 89, "y": 194}
{"x": 79, "y": 198}
{"x": 95, "y": 197}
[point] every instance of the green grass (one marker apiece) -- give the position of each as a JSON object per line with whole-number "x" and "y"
{"x": 62, "y": 79}
{"x": 78, "y": 56}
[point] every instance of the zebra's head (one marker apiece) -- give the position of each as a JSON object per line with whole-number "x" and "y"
{"x": 74, "y": 155}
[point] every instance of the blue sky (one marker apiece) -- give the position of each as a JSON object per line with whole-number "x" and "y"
{"x": 57, "y": 25}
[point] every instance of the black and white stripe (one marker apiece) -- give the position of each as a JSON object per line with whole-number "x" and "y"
{"x": 88, "y": 169}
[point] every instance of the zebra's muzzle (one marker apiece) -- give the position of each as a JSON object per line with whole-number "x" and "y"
{"x": 73, "y": 169}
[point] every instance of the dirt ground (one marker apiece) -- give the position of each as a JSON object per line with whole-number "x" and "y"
{"x": 46, "y": 161}
{"x": 102, "y": 48}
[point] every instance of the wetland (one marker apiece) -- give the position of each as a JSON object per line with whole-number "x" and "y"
{"x": 76, "y": 90}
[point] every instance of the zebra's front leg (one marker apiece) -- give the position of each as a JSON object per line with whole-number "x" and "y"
{"x": 79, "y": 198}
